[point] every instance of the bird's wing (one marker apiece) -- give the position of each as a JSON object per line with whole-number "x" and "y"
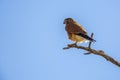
{"x": 75, "y": 29}
{"x": 79, "y": 25}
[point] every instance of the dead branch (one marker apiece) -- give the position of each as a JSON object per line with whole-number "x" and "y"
{"x": 93, "y": 51}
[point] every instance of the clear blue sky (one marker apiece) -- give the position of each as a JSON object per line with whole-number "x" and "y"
{"x": 32, "y": 36}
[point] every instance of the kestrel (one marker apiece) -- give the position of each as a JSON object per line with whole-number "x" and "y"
{"x": 76, "y": 32}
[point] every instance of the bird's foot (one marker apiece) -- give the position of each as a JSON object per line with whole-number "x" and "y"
{"x": 71, "y": 45}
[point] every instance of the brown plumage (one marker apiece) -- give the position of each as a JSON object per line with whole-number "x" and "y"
{"x": 75, "y": 31}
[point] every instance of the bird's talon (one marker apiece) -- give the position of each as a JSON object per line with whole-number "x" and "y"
{"x": 74, "y": 44}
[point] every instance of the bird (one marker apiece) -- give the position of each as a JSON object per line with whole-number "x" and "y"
{"x": 76, "y": 32}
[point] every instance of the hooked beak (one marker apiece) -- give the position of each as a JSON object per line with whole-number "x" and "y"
{"x": 64, "y": 21}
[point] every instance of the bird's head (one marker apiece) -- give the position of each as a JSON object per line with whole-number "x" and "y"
{"x": 68, "y": 20}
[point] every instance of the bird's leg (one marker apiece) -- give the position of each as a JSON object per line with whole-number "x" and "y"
{"x": 74, "y": 44}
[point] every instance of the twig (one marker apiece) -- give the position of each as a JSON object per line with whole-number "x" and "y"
{"x": 93, "y": 51}
{"x": 90, "y": 41}
{"x": 89, "y": 45}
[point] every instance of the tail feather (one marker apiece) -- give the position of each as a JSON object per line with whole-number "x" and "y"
{"x": 86, "y": 37}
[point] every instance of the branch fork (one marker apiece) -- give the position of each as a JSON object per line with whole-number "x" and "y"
{"x": 93, "y": 51}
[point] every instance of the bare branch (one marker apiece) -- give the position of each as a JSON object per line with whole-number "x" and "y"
{"x": 93, "y": 51}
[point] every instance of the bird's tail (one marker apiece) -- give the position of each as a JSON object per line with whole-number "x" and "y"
{"x": 86, "y": 37}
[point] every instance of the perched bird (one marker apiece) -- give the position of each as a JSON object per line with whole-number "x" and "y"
{"x": 76, "y": 32}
